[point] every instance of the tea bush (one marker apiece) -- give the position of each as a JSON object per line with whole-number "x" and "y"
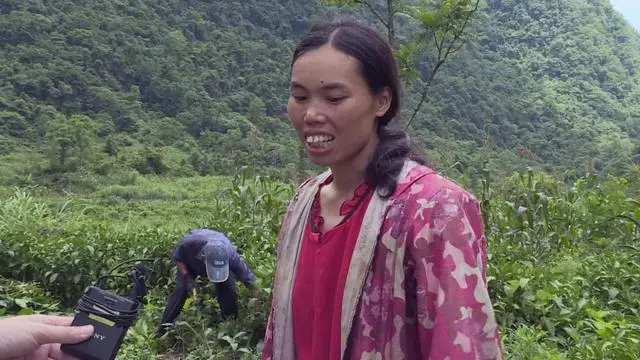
{"x": 17, "y": 298}
{"x": 564, "y": 270}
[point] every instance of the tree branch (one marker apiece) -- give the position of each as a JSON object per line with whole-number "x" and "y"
{"x": 423, "y": 97}
{"x": 441, "y": 59}
{"x": 458, "y": 34}
{"x": 374, "y": 12}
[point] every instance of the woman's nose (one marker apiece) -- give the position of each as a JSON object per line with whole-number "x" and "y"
{"x": 314, "y": 114}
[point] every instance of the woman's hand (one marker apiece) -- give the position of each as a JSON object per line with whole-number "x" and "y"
{"x": 35, "y": 337}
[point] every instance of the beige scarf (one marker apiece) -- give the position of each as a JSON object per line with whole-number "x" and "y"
{"x": 290, "y": 241}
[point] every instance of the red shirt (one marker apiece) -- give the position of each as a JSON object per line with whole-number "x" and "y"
{"x": 320, "y": 278}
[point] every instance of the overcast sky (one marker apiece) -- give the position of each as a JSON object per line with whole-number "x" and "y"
{"x": 630, "y": 9}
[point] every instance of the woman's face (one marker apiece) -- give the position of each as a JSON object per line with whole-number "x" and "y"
{"x": 331, "y": 107}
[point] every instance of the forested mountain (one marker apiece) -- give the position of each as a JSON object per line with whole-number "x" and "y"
{"x": 185, "y": 86}
{"x": 549, "y": 82}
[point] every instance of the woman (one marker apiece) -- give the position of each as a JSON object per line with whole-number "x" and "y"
{"x": 379, "y": 257}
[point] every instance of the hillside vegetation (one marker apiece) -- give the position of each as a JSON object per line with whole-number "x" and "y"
{"x": 170, "y": 87}
{"x": 194, "y": 87}
{"x": 550, "y": 83}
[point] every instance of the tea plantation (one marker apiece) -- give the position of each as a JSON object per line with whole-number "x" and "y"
{"x": 564, "y": 263}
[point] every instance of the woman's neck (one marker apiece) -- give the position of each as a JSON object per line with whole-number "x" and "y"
{"x": 349, "y": 175}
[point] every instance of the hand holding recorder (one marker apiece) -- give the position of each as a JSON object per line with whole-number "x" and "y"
{"x": 39, "y": 336}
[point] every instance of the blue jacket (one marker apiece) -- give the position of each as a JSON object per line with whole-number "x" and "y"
{"x": 190, "y": 245}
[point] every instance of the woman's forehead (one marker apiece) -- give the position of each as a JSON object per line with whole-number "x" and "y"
{"x": 323, "y": 84}
{"x": 326, "y": 68}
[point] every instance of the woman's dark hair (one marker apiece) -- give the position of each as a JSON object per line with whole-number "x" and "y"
{"x": 379, "y": 68}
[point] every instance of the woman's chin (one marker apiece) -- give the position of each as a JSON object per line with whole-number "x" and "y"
{"x": 320, "y": 155}
{"x": 320, "y": 161}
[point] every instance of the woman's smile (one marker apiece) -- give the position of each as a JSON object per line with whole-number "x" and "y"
{"x": 318, "y": 144}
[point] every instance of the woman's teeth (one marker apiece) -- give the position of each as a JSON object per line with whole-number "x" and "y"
{"x": 318, "y": 139}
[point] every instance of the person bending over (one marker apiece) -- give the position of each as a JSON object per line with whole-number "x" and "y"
{"x": 204, "y": 252}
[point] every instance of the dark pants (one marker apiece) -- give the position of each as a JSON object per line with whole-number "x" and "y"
{"x": 226, "y": 295}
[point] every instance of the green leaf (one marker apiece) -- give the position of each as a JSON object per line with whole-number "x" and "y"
{"x": 543, "y": 295}
{"x": 23, "y": 303}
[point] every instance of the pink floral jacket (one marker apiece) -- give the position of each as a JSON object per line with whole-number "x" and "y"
{"x": 416, "y": 288}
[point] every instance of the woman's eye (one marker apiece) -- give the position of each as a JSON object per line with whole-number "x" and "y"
{"x": 299, "y": 98}
{"x": 335, "y": 99}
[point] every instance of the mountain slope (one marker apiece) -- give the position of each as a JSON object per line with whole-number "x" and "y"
{"x": 178, "y": 87}
{"x": 556, "y": 82}
{"x": 207, "y": 78}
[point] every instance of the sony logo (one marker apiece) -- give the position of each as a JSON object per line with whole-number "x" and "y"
{"x": 99, "y": 337}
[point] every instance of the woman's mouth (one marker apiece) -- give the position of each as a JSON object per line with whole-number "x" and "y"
{"x": 319, "y": 145}
{"x": 319, "y": 141}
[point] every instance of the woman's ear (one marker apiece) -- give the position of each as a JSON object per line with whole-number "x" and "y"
{"x": 383, "y": 102}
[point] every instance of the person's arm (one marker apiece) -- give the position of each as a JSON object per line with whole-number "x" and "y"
{"x": 178, "y": 258}
{"x": 447, "y": 246}
{"x": 182, "y": 268}
{"x": 242, "y": 271}
{"x": 244, "y": 274}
